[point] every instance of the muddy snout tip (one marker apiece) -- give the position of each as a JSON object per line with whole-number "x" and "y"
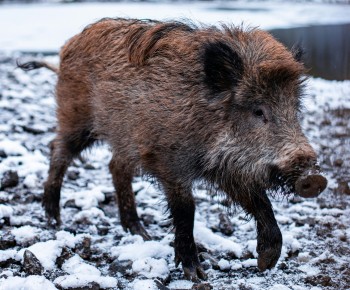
{"x": 310, "y": 184}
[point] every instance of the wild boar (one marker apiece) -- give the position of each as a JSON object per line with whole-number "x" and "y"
{"x": 184, "y": 103}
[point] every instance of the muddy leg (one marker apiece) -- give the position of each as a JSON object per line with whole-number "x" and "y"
{"x": 122, "y": 178}
{"x": 63, "y": 149}
{"x": 52, "y": 188}
{"x": 182, "y": 207}
{"x": 269, "y": 240}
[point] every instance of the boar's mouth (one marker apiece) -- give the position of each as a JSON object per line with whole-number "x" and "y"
{"x": 307, "y": 183}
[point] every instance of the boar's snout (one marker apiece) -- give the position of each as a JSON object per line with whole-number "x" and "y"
{"x": 310, "y": 184}
{"x": 297, "y": 155}
{"x": 300, "y": 171}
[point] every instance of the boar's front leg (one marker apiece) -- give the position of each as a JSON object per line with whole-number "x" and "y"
{"x": 122, "y": 177}
{"x": 182, "y": 208}
{"x": 269, "y": 240}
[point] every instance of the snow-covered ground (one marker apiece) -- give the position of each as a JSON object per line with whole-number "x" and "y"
{"x": 91, "y": 249}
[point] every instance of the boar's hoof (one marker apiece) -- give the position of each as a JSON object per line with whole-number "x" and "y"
{"x": 52, "y": 214}
{"x": 54, "y": 221}
{"x": 310, "y": 184}
{"x": 268, "y": 259}
{"x": 137, "y": 229}
{"x": 51, "y": 204}
{"x": 190, "y": 265}
{"x": 269, "y": 246}
{"x": 194, "y": 273}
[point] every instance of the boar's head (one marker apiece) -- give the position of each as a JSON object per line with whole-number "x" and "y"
{"x": 258, "y": 83}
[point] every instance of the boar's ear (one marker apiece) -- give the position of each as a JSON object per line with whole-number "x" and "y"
{"x": 223, "y": 67}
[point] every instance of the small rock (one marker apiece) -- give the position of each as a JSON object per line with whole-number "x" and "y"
{"x": 160, "y": 285}
{"x": 33, "y": 130}
{"x": 305, "y": 221}
{"x": 165, "y": 223}
{"x": 121, "y": 267}
{"x": 207, "y": 257}
{"x": 282, "y": 266}
{"x": 225, "y": 225}
{"x": 338, "y": 162}
{"x": 9, "y": 179}
{"x": 295, "y": 199}
{"x": 31, "y": 264}
{"x": 11, "y": 263}
{"x": 201, "y": 248}
{"x": 247, "y": 255}
{"x": 83, "y": 249}
{"x": 65, "y": 255}
{"x": 7, "y": 241}
{"x": 292, "y": 253}
{"x": 323, "y": 280}
{"x": 89, "y": 286}
{"x": 54, "y": 274}
{"x": 343, "y": 188}
{"x": 70, "y": 203}
{"x": 102, "y": 230}
{"x": 327, "y": 161}
{"x": 73, "y": 175}
{"x": 148, "y": 219}
{"x": 109, "y": 197}
{"x": 231, "y": 255}
{"x": 206, "y": 265}
{"x": 6, "y": 274}
{"x": 89, "y": 166}
{"x": 202, "y": 286}
{"x": 3, "y": 154}
{"x": 326, "y": 122}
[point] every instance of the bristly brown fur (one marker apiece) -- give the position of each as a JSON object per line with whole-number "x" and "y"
{"x": 145, "y": 41}
{"x": 183, "y": 103}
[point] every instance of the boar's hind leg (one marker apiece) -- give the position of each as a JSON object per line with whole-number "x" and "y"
{"x": 182, "y": 208}
{"x": 269, "y": 240}
{"x": 64, "y": 148}
{"x": 122, "y": 178}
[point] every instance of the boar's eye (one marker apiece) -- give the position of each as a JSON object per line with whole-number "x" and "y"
{"x": 261, "y": 114}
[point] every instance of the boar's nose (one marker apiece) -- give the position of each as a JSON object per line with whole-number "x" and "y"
{"x": 305, "y": 159}
{"x": 296, "y": 156}
{"x": 310, "y": 184}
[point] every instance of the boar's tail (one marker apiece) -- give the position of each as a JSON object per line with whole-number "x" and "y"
{"x": 27, "y": 66}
